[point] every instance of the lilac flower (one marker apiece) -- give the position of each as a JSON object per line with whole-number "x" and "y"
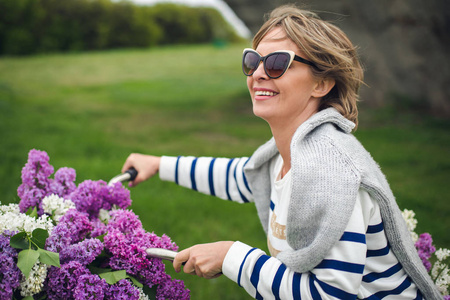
{"x": 91, "y": 196}
{"x": 84, "y": 252}
{"x": 124, "y": 220}
{"x": 162, "y": 242}
{"x": 90, "y": 287}
{"x": 128, "y": 253}
{"x": 79, "y": 223}
{"x": 63, "y": 281}
{"x": 72, "y": 228}
{"x": 88, "y": 197}
{"x": 117, "y": 195}
{"x": 35, "y": 180}
{"x": 172, "y": 289}
{"x": 31, "y": 197}
{"x": 10, "y": 274}
{"x": 99, "y": 228}
{"x": 60, "y": 238}
{"x": 63, "y": 184}
{"x": 122, "y": 290}
{"x": 425, "y": 249}
{"x": 73, "y": 237}
{"x": 148, "y": 271}
{"x": 447, "y": 297}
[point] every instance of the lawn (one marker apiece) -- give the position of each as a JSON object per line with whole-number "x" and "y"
{"x": 88, "y": 111}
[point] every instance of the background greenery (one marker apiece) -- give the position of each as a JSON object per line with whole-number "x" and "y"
{"x": 42, "y": 26}
{"x": 89, "y": 111}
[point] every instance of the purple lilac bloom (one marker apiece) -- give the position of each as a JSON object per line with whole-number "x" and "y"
{"x": 447, "y": 297}
{"x": 128, "y": 253}
{"x": 72, "y": 228}
{"x": 122, "y": 290}
{"x": 124, "y": 220}
{"x": 10, "y": 274}
{"x": 31, "y": 197}
{"x": 127, "y": 241}
{"x": 162, "y": 242}
{"x": 84, "y": 252}
{"x": 117, "y": 195}
{"x": 63, "y": 184}
{"x": 88, "y": 197}
{"x": 90, "y": 287}
{"x": 99, "y": 228}
{"x": 425, "y": 249}
{"x": 62, "y": 281}
{"x": 60, "y": 238}
{"x": 35, "y": 181}
{"x": 79, "y": 223}
{"x": 172, "y": 289}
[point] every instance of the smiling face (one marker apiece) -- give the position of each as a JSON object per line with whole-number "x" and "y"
{"x": 289, "y": 100}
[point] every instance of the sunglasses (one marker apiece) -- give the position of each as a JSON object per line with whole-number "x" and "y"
{"x": 275, "y": 63}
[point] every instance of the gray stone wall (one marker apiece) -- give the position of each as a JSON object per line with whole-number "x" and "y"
{"x": 404, "y": 45}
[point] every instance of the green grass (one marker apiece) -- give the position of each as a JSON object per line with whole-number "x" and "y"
{"x": 90, "y": 110}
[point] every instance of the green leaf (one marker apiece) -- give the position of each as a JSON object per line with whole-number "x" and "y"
{"x": 150, "y": 291}
{"x": 19, "y": 241}
{"x": 26, "y": 260}
{"x": 49, "y": 258}
{"x": 39, "y": 236}
{"x": 28, "y": 298}
{"x": 101, "y": 237}
{"x": 97, "y": 270}
{"x": 113, "y": 277}
{"x": 42, "y": 297}
{"x": 32, "y": 212}
{"x": 135, "y": 281}
{"x": 100, "y": 259}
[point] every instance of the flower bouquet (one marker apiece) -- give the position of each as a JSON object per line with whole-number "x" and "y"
{"x": 438, "y": 264}
{"x": 64, "y": 241}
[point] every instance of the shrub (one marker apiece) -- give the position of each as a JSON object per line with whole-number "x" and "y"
{"x": 40, "y": 26}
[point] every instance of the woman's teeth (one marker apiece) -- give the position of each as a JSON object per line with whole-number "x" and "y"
{"x": 264, "y": 93}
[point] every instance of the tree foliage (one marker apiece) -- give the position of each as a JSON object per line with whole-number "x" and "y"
{"x": 41, "y": 26}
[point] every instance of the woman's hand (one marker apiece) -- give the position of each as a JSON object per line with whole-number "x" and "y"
{"x": 146, "y": 166}
{"x": 204, "y": 260}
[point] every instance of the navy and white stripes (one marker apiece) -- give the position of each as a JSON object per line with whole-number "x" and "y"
{"x": 221, "y": 177}
{"x": 361, "y": 265}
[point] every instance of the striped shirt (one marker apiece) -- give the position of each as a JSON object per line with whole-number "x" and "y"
{"x": 360, "y": 265}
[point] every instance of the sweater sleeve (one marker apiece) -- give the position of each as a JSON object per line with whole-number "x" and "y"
{"x": 338, "y": 276}
{"x": 221, "y": 177}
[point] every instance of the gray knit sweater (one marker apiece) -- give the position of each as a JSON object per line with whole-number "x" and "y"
{"x": 328, "y": 168}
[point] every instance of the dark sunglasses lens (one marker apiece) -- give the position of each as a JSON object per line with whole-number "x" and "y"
{"x": 250, "y": 62}
{"x": 276, "y": 64}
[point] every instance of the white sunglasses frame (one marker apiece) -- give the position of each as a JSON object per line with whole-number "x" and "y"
{"x": 262, "y": 59}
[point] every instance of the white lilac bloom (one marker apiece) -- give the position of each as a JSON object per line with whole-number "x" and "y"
{"x": 13, "y": 221}
{"x": 411, "y": 222}
{"x": 142, "y": 295}
{"x": 442, "y": 254}
{"x": 443, "y": 282}
{"x": 104, "y": 216}
{"x": 35, "y": 281}
{"x": 56, "y": 206}
{"x": 12, "y": 208}
{"x": 440, "y": 271}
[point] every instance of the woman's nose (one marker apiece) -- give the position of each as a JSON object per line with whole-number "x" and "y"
{"x": 260, "y": 73}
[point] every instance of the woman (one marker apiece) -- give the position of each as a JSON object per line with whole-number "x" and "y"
{"x": 332, "y": 224}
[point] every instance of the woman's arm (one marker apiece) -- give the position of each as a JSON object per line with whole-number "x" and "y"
{"x": 339, "y": 275}
{"x": 221, "y": 177}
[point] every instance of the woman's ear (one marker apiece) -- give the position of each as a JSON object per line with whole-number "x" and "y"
{"x": 323, "y": 87}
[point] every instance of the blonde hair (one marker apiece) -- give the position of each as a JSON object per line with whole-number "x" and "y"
{"x": 329, "y": 48}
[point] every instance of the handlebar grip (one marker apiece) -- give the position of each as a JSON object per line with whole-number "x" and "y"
{"x": 132, "y": 172}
